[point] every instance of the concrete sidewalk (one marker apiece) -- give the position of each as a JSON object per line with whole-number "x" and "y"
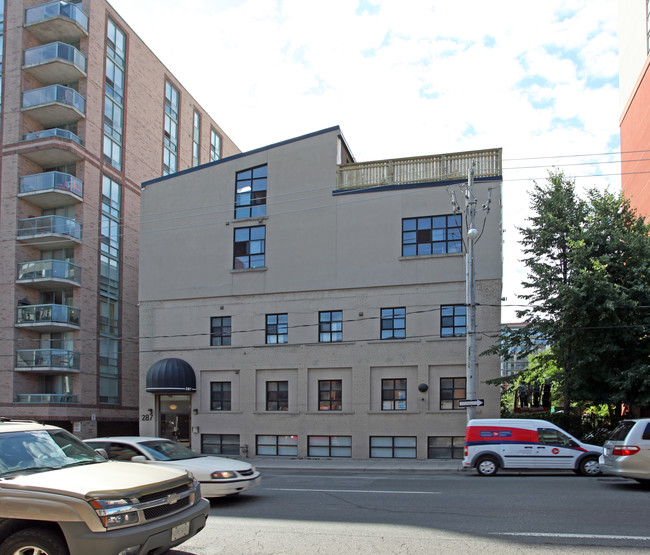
{"x": 365, "y": 465}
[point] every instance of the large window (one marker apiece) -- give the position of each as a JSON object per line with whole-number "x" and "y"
{"x": 250, "y": 193}
{"x": 277, "y": 328}
{"x": 330, "y": 446}
{"x": 215, "y": 146}
{"x": 286, "y": 446}
{"x": 220, "y": 444}
{"x": 393, "y": 394}
{"x": 220, "y": 330}
{"x": 329, "y": 394}
{"x": 249, "y": 249}
{"x": 432, "y": 235}
{"x": 196, "y": 139}
{"x": 452, "y": 390}
{"x": 393, "y": 447}
{"x": 170, "y": 142}
{"x": 114, "y": 94}
{"x": 330, "y": 326}
{"x": 393, "y": 323}
{"x": 446, "y": 447}
{"x": 277, "y": 396}
{"x": 453, "y": 321}
{"x": 220, "y": 396}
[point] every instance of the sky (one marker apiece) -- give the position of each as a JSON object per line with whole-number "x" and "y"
{"x": 408, "y": 78}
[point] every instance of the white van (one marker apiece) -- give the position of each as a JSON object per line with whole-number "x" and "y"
{"x": 516, "y": 443}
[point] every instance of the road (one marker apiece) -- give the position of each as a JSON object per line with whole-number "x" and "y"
{"x": 328, "y": 512}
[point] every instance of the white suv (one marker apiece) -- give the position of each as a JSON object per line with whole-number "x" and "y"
{"x": 627, "y": 451}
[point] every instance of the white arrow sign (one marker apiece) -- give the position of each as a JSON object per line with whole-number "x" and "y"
{"x": 471, "y": 403}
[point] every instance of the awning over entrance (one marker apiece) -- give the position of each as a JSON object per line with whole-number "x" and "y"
{"x": 171, "y": 375}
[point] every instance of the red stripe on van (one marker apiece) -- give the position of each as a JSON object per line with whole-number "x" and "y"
{"x": 501, "y": 434}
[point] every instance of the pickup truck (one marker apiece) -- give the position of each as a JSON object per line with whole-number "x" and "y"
{"x": 60, "y": 497}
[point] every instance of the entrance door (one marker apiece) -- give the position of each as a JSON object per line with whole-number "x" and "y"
{"x": 175, "y": 420}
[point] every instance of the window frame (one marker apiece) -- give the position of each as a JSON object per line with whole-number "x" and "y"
{"x": 455, "y": 315}
{"x": 422, "y": 237}
{"x": 394, "y": 446}
{"x": 282, "y": 445}
{"x": 330, "y": 326}
{"x": 225, "y": 400}
{"x": 250, "y": 253}
{"x": 226, "y": 331}
{"x": 234, "y": 449}
{"x": 454, "y": 446}
{"x": 336, "y": 447}
{"x": 215, "y": 145}
{"x": 277, "y": 333}
{"x": 454, "y": 398}
{"x": 277, "y": 394}
{"x": 251, "y": 187}
{"x": 330, "y": 396}
{"x": 393, "y": 398}
{"x": 392, "y": 331}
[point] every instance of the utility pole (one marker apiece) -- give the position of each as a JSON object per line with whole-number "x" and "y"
{"x": 470, "y": 294}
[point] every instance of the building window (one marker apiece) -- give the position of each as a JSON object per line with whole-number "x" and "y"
{"x": 250, "y": 244}
{"x": 393, "y": 394}
{"x": 215, "y": 146}
{"x": 452, "y": 390}
{"x": 453, "y": 320}
{"x": 283, "y": 446}
{"x": 432, "y": 235}
{"x": 277, "y": 396}
{"x": 446, "y": 447}
{"x": 393, "y": 447}
{"x": 220, "y": 396}
{"x": 114, "y": 95}
{"x": 330, "y": 446}
{"x": 330, "y": 326}
{"x": 170, "y": 142}
{"x": 196, "y": 139}
{"x": 329, "y": 394}
{"x": 250, "y": 193}
{"x": 220, "y": 330}
{"x": 277, "y": 328}
{"x": 220, "y": 444}
{"x": 393, "y": 323}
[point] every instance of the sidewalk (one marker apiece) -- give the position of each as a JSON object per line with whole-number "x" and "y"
{"x": 365, "y": 465}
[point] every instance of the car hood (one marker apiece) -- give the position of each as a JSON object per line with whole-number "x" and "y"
{"x": 98, "y": 479}
{"x": 204, "y": 466}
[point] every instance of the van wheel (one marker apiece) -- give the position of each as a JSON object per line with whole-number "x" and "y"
{"x": 589, "y": 467}
{"x": 487, "y": 466}
{"x": 33, "y": 541}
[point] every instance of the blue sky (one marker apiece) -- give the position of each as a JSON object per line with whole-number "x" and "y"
{"x": 406, "y": 78}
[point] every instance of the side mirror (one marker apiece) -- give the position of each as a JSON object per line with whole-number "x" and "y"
{"x": 102, "y": 452}
{"x": 139, "y": 458}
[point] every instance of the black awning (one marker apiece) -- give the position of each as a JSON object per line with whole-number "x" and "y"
{"x": 171, "y": 375}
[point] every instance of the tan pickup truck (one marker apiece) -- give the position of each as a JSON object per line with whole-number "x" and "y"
{"x": 60, "y": 497}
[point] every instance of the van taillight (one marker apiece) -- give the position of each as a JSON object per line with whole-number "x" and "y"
{"x": 625, "y": 450}
{"x": 465, "y": 450}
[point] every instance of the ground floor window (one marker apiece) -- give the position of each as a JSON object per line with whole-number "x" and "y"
{"x": 330, "y": 446}
{"x": 284, "y": 446}
{"x": 446, "y": 447}
{"x": 393, "y": 447}
{"x": 220, "y": 444}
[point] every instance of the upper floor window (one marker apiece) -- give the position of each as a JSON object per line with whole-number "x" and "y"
{"x": 453, "y": 320}
{"x": 196, "y": 139}
{"x": 432, "y": 235}
{"x": 220, "y": 330}
{"x": 250, "y": 196}
{"x": 330, "y": 326}
{"x": 249, "y": 248}
{"x": 452, "y": 390}
{"x": 170, "y": 143}
{"x": 277, "y": 396}
{"x": 393, "y": 323}
{"x": 215, "y": 146}
{"x": 393, "y": 394}
{"x": 220, "y": 396}
{"x": 277, "y": 328}
{"x": 329, "y": 394}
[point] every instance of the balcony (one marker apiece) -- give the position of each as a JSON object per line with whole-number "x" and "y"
{"x": 52, "y": 361}
{"x": 54, "y": 105}
{"x": 49, "y": 232}
{"x": 56, "y": 62}
{"x": 49, "y": 275}
{"x": 57, "y": 21}
{"x": 48, "y": 398}
{"x": 422, "y": 169}
{"x": 51, "y": 147}
{"x": 48, "y": 318}
{"x": 51, "y": 189}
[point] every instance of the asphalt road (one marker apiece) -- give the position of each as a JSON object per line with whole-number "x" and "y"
{"x": 328, "y": 512}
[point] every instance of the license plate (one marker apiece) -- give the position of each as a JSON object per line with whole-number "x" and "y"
{"x": 180, "y": 531}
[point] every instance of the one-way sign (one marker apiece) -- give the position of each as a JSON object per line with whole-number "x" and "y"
{"x": 471, "y": 402}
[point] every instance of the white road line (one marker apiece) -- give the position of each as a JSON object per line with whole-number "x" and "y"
{"x": 353, "y": 491}
{"x": 577, "y": 536}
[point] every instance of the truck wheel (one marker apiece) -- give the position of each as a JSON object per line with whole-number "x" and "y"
{"x": 589, "y": 467}
{"x": 487, "y": 466}
{"x": 33, "y": 541}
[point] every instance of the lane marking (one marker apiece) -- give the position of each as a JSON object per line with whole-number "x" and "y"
{"x": 577, "y": 536}
{"x": 354, "y": 491}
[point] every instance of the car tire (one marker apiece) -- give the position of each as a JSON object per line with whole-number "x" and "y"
{"x": 589, "y": 467}
{"x": 487, "y": 466}
{"x": 34, "y": 540}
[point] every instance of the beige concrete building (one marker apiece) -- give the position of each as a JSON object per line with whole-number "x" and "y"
{"x": 296, "y": 303}
{"x": 88, "y": 113}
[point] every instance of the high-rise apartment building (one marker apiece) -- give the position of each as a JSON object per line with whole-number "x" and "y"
{"x": 88, "y": 113}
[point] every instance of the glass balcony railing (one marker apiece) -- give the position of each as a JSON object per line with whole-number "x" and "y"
{"x": 54, "y": 93}
{"x": 53, "y": 52}
{"x": 48, "y": 398}
{"x": 34, "y": 359}
{"x": 49, "y": 225}
{"x": 48, "y": 270}
{"x": 56, "y": 9}
{"x": 47, "y": 133}
{"x": 41, "y": 182}
{"x": 48, "y": 314}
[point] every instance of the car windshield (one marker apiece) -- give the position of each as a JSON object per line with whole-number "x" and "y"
{"x": 39, "y": 450}
{"x": 620, "y": 433}
{"x": 168, "y": 450}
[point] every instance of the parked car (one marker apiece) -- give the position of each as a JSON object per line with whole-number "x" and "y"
{"x": 58, "y": 496}
{"x": 627, "y": 451}
{"x": 513, "y": 443}
{"x": 219, "y": 476}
